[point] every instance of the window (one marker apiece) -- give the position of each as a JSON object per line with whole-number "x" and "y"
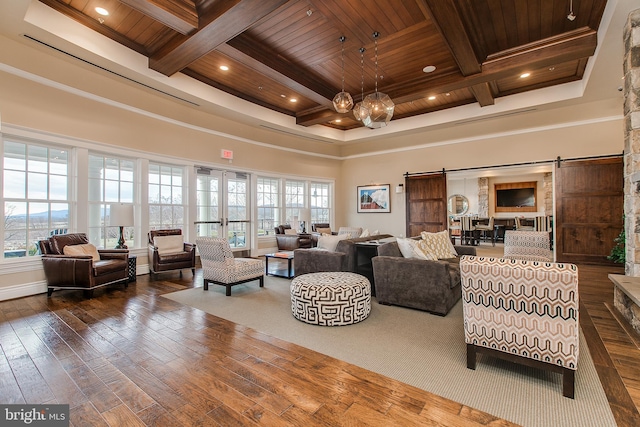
{"x": 320, "y": 202}
{"x": 166, "y": 203}
{"x": 294, "y": 200}
{"x": 111, "y": 180}
{"x": 268, "y": 196}
{"x": 36, "y": 196}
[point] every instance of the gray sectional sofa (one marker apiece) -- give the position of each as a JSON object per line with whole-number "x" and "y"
{"x": 432, "y": 286}
{"x": 343, "y": 259}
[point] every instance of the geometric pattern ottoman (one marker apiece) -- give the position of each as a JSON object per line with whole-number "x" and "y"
{"x": 330, "y": 299}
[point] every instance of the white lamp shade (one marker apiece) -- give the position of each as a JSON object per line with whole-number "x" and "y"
{"x": 121, "y": 214}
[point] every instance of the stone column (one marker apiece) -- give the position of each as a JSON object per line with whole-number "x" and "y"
{"x": 631, "y": 37}
{"x": 483, "y": 197}
{"x": 548, "y": 193}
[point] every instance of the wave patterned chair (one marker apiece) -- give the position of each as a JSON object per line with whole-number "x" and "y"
{"x": 221, "y": 268}
{"x": 527, "y": 245}
{"x": 522, "y": 311}
{"x": 70, "y": 261}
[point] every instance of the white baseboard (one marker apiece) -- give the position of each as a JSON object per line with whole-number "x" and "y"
{"x": 22, "y": 290}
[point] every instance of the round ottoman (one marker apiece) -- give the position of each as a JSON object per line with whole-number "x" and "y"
{"x": 331, "y": 299}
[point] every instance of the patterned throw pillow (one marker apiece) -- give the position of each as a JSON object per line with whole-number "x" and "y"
{"x": 323, "y": 230}
{"x": 438, "y": 244}
{"x": 79, "y": 250}
{"x": 365, "y": 233}
{"x": 411, "y": 249}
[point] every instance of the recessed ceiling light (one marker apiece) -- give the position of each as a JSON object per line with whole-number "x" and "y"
{"x": 224, "y": 68}
{"x": 338, "y": 120}
{"x": 293, "y": 100}
{"x": 431, "y": 98}
{"x": 429, "y": 69}
{"x": 283, "y": 96}
{"x": 102, "y": 11}
{"x": 524, "y": 75}
{"x": 447, "y": 94}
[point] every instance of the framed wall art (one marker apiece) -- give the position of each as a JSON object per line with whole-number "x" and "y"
{"x": 374, "y": 198}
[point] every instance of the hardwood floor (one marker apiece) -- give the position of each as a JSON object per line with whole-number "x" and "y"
{"x": 129, "y": 357}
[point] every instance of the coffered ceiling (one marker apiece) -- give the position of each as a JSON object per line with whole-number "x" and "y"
{"x": 278, "y": 51}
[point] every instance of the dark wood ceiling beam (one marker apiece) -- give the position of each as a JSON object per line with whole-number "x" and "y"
{"x": 446, "y": 18}
{"x": 261, "y": 58}
{"x": 319, "y": 117}
{"x": 233, "y": 18}
{"x": 482, "y": 93}
{"x": 94, "y": 25}
{"x": 179, "y": 15}
{"x": 573, "y": 46}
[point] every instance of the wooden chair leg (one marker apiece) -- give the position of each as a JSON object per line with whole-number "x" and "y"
{"x": 49, "y": 291}
{"x": 228, "y": 293}
{"x": 206, "y": 285}
{"x": 568, "y": 383}
{"x": 471, "y": 356}
{"x": 262, "y": 281}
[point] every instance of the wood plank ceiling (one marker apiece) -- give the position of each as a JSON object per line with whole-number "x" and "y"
{"x": 278, "y": 50}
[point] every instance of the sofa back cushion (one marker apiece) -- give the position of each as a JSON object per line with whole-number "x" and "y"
{"x": 352, "y": 232}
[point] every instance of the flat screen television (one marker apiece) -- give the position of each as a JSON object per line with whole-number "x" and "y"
{"x": 516, "y": 198}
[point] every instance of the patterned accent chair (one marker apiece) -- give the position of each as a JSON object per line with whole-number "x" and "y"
{"x": 221, "y": 268}
{"x": 163, "y": 258}
{"x": 522, "y": 311}
{"x": 70, "y": 261}
{"x": 527, "y": 245}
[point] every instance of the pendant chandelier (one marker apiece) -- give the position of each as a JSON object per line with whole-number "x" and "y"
{"x": 379, "y": 105}
{"x": 343, "y": 101}
{"x": 359, "y": 111}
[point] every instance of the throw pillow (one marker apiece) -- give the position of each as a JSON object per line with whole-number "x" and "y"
{"x": 290, "y": 231}
{"x": 439, "y": 244}
{"x": 323, "y": 231}
{"x": 169, "y": 244}
{"x": 365, "y": 233}
{"x": 410, "y": 249}
{"x": 330, "y": 242}
{"x": 79, "y": 250}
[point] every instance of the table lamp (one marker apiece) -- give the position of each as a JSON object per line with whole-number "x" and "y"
{"x": 121, "y": 215}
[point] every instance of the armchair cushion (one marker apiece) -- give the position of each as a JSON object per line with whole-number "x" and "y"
{"x": 323, "y": 230}
{"x": 290, "y": 231}
{"x": 169, "y": 244}
{"x": 84, "y": 249}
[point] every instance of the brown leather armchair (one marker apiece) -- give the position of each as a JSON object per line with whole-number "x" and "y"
{"x": 81, "y": 272}
{"x": 290, "y": 242}
{"x": 184, "y": 257}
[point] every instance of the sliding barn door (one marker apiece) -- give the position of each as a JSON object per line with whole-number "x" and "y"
{"x": 426, "y": 199}
{"x": 589, "y": 207}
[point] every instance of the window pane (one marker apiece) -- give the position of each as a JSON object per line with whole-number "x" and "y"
{"x": 112, "y": 169}
{"x": 58, "y": 160}
{"x": 58, "y": 187}
{"x": 14, "y": 184}
{"x": 126, "y": 192}
{"x": 154, "y": 193}
{"x": 38, "y": 157}
{"x": 15, "y": 156}
{"x": 37, "y": 186}
{"x": 111, "y": 191}
{"x": 96, "y": 166}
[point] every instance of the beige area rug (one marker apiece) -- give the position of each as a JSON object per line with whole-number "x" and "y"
{"x": 420, "y": 349}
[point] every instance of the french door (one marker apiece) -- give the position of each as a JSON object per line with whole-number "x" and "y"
{"x": 223, "y": 206}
